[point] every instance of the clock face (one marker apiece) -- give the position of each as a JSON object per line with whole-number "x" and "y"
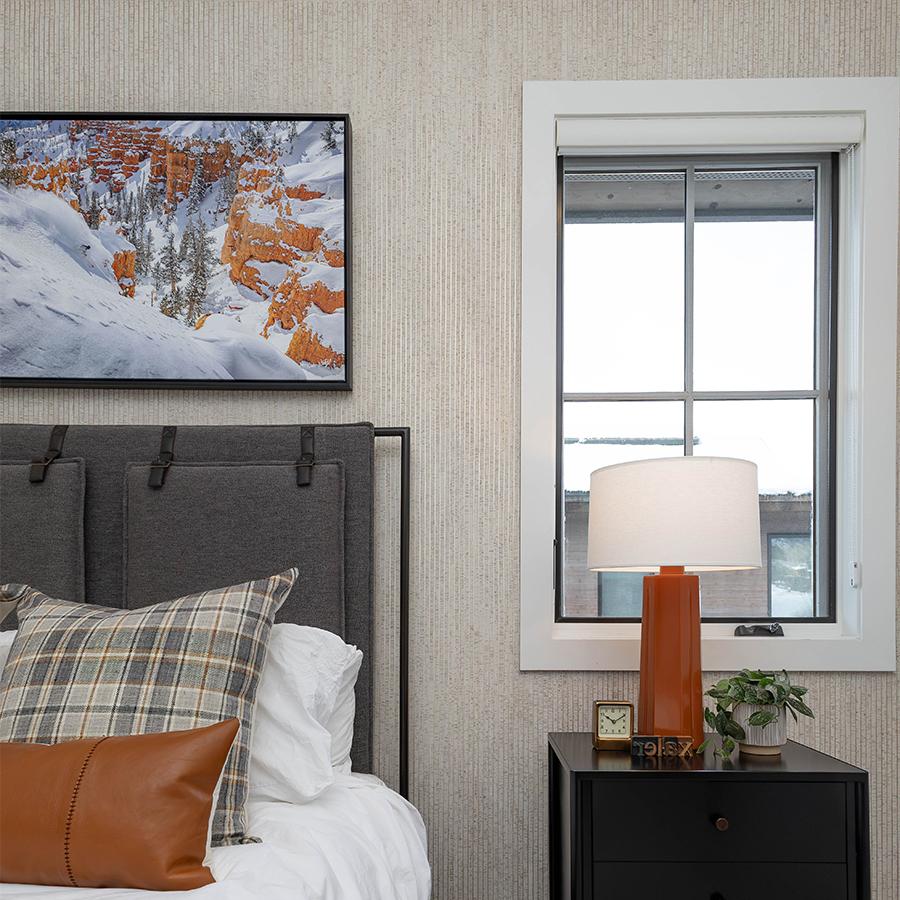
{"x": 613, "y": 720}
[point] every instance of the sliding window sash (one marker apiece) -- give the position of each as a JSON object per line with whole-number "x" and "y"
{"x": 822, "y": 392}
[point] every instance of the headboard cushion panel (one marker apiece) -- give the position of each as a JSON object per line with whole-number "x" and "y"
{"x": 41, "y": 532}
{"x": 108, "y": 451}
{"x": 213, "y": 525}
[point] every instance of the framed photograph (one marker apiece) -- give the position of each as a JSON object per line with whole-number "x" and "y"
{"x": 197, "y": 250}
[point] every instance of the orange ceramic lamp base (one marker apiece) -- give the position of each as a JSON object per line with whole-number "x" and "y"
{"x": 671, "y": 693}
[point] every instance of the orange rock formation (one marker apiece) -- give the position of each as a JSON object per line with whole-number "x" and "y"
{"x": 116, "y": 149}
{"x": 288, "y": 308}
{"x": 123, "y": 269}
{"x": 51, "y": 177}
{"x": 172, "y": 166}
{"x": 306, "y": 347}
{"x": 262, "y": 228}
{"x": 302, "y": 192}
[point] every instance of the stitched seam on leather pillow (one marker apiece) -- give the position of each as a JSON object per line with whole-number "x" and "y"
{"x": 71, "y": 813}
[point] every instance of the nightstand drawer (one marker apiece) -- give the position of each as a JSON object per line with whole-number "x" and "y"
{"x": 720, "y": 881}
{"x": 689, "y": 819}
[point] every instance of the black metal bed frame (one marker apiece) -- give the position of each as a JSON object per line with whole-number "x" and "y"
{"x": 404, "y": 434}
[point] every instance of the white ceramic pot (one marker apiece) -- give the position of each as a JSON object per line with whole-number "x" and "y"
{"x": 766, "y": 740}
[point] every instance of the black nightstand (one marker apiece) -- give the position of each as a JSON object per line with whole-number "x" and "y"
{"x": 792, "y": 828}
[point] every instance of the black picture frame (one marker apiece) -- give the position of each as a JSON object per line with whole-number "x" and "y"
{"x": 344, "y": 384}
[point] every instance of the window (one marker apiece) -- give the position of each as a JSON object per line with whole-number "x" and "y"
{"x": 819, "y": 405}
{"x": 696, "y": 317}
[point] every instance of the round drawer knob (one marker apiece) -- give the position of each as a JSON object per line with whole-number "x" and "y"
{"x": 721, "y": 823}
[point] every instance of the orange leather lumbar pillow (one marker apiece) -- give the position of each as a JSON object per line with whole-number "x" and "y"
{"x": 128, "y": 812}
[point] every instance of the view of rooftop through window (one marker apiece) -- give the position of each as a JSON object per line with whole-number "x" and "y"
{"x": 696, "y": 320}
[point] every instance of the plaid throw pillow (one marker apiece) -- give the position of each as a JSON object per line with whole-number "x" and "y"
{"x": 76, "y": 671}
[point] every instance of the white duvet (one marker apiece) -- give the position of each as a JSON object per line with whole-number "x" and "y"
{"x": 357, "y": 841}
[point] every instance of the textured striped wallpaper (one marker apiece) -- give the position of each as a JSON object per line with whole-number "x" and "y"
{"x": 434, "y": 90}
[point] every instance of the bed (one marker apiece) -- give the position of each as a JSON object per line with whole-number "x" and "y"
{"x": 136, "y": 514}
{"x": 359, "y": 841}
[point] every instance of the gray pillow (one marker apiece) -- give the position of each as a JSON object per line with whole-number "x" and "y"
{"x": 77, "y": 671}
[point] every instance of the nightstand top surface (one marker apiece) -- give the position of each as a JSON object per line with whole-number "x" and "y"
{"x": 576, "y": 751}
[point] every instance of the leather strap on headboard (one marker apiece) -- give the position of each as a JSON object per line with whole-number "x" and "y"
{"x": 159, "y": 468}
{"x": 54, "y": 450}
{"x": 307, "y": 455}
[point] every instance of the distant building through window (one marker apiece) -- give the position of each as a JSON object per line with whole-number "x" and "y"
{"x": 696, "y": 317}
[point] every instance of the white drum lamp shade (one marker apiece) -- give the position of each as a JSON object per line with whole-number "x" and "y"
{"x": 700, "y": 512}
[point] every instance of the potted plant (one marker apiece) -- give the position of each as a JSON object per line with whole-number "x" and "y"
{"x": 750, "y": 709}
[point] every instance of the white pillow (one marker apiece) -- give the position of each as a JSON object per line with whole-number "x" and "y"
{"x": 306, "y": 690}
{"x": 340, "y": 722}
{"x": 305, "y": 705}
{"x": 6, "y": 639}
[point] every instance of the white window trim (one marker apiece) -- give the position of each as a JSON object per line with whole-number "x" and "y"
{"x": 864, "y": 636}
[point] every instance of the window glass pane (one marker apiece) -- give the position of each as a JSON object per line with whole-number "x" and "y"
{"x": 754, "y": 280}
{"x": 790, "y": 575}
{"x": 623, "y": 284}
{"x": 778, "y": 435}
{"x": 621, "y": 594}
{"x": 596, "y": 435}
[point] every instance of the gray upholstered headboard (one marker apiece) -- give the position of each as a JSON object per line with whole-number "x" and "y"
{"x": 108, "y": 521}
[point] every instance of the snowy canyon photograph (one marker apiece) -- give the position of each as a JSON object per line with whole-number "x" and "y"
{"x": 194, "y": 251}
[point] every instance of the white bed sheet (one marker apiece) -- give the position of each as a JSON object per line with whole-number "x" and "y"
{"x": 357, "y": 841}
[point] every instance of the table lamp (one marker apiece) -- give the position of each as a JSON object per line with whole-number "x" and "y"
{"x": 694, "y": 513}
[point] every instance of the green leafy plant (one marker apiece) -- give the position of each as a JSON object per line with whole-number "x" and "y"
{"x": 772, "y": 690}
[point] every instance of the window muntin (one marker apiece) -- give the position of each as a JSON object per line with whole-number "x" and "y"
{"x": 738, "y": 295}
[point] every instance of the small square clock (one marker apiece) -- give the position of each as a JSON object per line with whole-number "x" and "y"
{"x": 613, "y": 724}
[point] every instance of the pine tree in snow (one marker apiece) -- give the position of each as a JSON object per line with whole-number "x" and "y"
{"x": 172, "y": 304}
{"x": 197, "y": 189}
{"x": 75, "y": 183}
{"x": 10, "y": 170}
{"x": 148, "y": 248}
{"x": 227, "y": 188}
{"x": 184, "y": 246}
{"x": 93, "y": 213}
{"x": 200, "y": 262}
{"x": 143, "y": 246}
{"x": 140, "y": 261}
{"x": 159, "y": 279}
{"x": 328, "y": 136}
{"x": 171, "y": 264}
{"x": 151, "y": 197}
{"x": 139, "y": 220}
{"x": 252, "y": 138}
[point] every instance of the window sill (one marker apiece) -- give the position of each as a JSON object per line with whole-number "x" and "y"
{"x": 805, "y": 647}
